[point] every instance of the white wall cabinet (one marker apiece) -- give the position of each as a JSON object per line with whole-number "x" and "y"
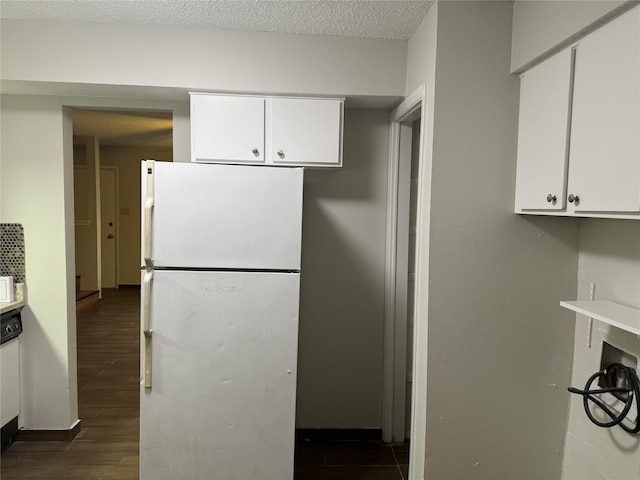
{"x": 228, "y": 129}
{"x": 579, "y": 130}
{"x": 604, "y": 163}
{"x": 304, "y": 131}
{"x": 266, "y": 130}
{"x": 545, "y": 93}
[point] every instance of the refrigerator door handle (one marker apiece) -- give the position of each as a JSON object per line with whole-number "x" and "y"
{"x": 148, "y": 208}
{"x": 146, "y": 330}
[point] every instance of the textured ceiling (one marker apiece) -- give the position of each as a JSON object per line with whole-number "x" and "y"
{"x": 390, "y": 19}
{"x": 124, "y": 127}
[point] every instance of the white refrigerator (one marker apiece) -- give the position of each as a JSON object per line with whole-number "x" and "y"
{"x": 219, "y": 305}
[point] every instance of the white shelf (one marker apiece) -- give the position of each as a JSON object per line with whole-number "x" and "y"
{"x": 608, "y": 312}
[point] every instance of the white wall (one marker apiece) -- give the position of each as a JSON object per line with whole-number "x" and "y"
{"x": 542, "y": 27}
{"x": 610, "y": 258}
{"x": 342, "y": 289}
{"x": 37, "y": 191}
{"x": 489, "y": 281}
{"x": 200, "y": 59}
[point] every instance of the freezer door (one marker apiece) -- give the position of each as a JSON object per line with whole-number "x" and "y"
{"x": 224, "y": 355}
{"x": 223, "y": 216}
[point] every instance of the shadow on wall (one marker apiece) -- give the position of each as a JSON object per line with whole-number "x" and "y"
{"x": 40, "y": 370}
{"x": 342, "y": 284}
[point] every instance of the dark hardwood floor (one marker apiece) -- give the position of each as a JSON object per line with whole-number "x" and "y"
{"x": 108, "y": 401}
{"x": 107, "y": 445}
{"x": 349, "y": 455}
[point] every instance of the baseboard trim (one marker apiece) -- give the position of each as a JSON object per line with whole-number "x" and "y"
{"x": 36, "y": 435}
{"x": 340, "y": 434}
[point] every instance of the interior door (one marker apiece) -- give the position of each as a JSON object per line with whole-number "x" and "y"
{"x": 108, "y": 226}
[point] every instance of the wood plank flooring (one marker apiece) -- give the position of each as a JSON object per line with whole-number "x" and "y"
{"x": 108, "y": 401}
{"x": 349, "y": 455}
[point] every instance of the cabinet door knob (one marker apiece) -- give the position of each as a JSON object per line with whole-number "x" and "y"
{"x": 574, "y": 198}
{"x": 280, "y": 153}
{"x": 255, "y": 151}
{"x": 551, "y": 198}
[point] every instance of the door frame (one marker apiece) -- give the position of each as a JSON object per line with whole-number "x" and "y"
{"x": 396, "y": 283}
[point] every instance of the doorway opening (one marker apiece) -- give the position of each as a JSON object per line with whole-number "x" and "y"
{"x": 401, "y": 322}
{"x": 108, "y": 148}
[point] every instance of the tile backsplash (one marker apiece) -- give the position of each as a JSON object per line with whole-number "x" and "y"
{"x": 12, "y": 251}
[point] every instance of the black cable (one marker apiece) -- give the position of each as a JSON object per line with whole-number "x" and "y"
{"x": 626, "y": 394}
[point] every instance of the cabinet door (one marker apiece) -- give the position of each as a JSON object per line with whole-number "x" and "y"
{"x": 542, "y": 134}
{"x": 304, "y": 131}
{"x": 227, "y": 129}
{"x": 604, "y": 164}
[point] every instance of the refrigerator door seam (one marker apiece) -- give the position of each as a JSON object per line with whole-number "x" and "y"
{"x": 206, "y": 269}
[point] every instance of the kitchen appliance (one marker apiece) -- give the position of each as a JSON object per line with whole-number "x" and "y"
{"x": 12, "y": 297}
{"x": 219, "y": 305}
{"x": 10, "y": 329}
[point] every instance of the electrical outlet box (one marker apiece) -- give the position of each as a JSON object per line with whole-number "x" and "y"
{"x": 611, "y": 354}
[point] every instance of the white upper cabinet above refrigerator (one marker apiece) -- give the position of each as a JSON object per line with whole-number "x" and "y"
{"x": 229, "y": 129}
{"x": 304, "y": 132}
{"x": 248, "y": 129}
{"x": 579, "y": 129}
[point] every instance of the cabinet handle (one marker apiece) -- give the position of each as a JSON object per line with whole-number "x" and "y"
{"x": 255, "y": 151}
{"x": 551, "y": 198}
{"x": 574, "y": 198}
{"x": 280, "y": 153}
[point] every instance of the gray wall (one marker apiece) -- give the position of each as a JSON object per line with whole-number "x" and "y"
{"x": 342, "y": 291}
{"x": 609, "y": 256}
{"x": 541, "y": 26}
{"x": 499, "y": 346}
